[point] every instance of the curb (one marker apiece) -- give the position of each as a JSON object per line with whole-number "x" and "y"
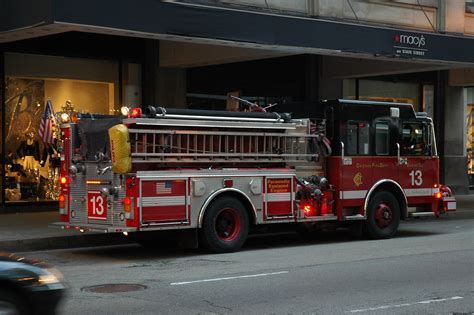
{"x": 62, "y": 242}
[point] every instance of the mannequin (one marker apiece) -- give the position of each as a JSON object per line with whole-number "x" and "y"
{"x": 29, "y": 152}
{"x": 51, "y": 155}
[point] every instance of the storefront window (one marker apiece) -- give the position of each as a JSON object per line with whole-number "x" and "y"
{"x": 428, "y": 100}
{"x": 349, "y": 89}
{"x": 470, "y": 135}
{"x": 470, "y": 6}
{"x": 70, "y": 85}
{"x": 2, "y": 173}
{"x": 384, "y": 91}
{"x": 387, "y": 91}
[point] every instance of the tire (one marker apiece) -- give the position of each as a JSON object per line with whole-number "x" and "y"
{"x": 383, "y": 216}
{"x": 12, "y": 304}
{"x": 225, "y": 225}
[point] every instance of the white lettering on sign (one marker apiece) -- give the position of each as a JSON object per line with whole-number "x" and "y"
{"x": 411, "y": 45}
{"x": 411, "y": 40}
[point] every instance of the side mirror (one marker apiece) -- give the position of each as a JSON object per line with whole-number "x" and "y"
{"x": 428, "y": 150}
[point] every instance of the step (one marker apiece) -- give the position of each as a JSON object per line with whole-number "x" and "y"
{"x": 421, "y": 214}
{"x": 354, "y": 217}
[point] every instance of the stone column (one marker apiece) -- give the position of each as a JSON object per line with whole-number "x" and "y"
{"x": 161, "y": 86}
{"x": 452, "y": 16}
{"x": 150, "y": 69}
{"x": 455, "y": 159}
{"x": 172, "y": 87}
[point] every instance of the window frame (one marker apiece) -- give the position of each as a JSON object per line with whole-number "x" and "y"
{"x": 357, "y": 123}
{"x": 426, "y": 138}
{"x": 387, "y": 124}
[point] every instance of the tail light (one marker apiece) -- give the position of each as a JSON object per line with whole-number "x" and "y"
{"x": 62, "y": 201}
{"x": 127, "y": 204}
{"x": 308, "y": 209}
{"x": 63, "y": 180}
{"x": 324, "y": 207}
{"x": 63, "y": 205}
{"x": 128, "y": 207}
{"x": 438, "y": 195}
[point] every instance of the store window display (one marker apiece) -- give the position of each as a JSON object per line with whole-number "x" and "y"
{"x": 33, "y": 162}
{"x": 470, "y": 135}
{"x": 29, "y": 152}
{"x": 74, "y": 86}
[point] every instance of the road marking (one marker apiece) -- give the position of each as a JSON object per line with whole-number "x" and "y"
{"x": 384, "y": 307}
{"x": 231, "y": 278}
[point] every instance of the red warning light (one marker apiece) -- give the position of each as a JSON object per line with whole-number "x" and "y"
{"x": 136, "y": 112}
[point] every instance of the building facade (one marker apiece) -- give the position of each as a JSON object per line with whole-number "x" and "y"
{"x": 96, "y": 56}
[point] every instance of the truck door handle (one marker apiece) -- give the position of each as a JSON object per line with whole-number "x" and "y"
{"x": 401, "y": 160}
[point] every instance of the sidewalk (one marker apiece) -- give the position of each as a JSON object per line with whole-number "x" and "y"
{"x": 30, "y": 231}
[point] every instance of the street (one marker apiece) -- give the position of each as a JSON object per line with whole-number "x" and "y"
{"x": 428, "y": 268}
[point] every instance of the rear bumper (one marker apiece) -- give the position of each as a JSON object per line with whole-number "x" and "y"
{"x": 92, "y": 228}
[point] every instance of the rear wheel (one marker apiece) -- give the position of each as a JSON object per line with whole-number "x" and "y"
{"x": 383, "y": 216}
{"x": 225, "y": 226}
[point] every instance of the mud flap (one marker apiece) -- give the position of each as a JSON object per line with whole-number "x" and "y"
{"x": 188, "y": 239}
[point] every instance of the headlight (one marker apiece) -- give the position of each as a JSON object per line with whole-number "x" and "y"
{"x": 51, "y": 276}
{"x": 125, "y": 110}
{"x": 65, "y": 118}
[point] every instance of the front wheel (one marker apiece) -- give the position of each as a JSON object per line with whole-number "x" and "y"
{"x": 12, "y": 304}
{"x": 225, "y": 226}
{"x": 383, "y": 216}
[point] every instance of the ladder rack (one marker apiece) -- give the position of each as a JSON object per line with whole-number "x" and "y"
{"x": 195, "y": 146}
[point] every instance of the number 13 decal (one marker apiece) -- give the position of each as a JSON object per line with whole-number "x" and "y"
{"x": 97, "y": 205}
{"x": 416, "y": 178}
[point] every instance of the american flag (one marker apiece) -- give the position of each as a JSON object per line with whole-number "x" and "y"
{"x": 47, "y": 124}
{"x": 164, "y": 188}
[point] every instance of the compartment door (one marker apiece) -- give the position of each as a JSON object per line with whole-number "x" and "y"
{"x": 164, "y": 200}
{"x": 279, "y": 197}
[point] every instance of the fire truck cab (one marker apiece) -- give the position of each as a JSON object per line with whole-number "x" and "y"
{"x": 384, "y": 163}
{"x": 218, "y": 173}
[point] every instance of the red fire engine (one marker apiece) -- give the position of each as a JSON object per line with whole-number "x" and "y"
{"x": 219, "y": 173}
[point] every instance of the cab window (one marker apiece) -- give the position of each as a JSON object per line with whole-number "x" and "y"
{"x": 382, "y": 138}
{"x": 415, "y": 139}
{"x": 357, "y": 138}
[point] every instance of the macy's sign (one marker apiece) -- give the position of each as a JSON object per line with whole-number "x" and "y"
{"x": 418, "y": 41}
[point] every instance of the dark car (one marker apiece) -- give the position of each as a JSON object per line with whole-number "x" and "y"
{"x": 28, "y": 286}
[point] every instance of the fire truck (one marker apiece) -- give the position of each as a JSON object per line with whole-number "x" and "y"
{"x": 218, "y": 174}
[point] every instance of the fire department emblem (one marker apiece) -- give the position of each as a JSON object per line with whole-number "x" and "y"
{"x": 358, "y": 179}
